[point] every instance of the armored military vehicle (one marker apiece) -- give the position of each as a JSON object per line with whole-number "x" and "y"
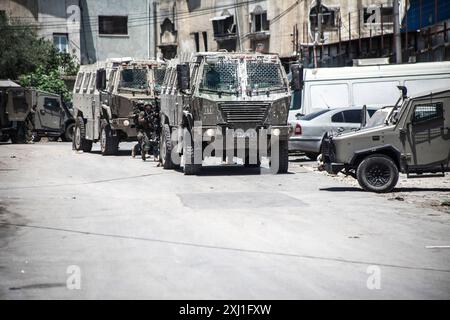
{"x": 27, "y": 114}
{"x": 106, "y": 98}
{"x": 219, "y": 104}
{"x": 414, "y": 140}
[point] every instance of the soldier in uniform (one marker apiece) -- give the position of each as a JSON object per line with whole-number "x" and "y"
{"x": 148, "y": 126}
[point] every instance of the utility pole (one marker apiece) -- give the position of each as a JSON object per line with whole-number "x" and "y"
{"x": 397, "y": 34}
{"x": 318, "y": 37}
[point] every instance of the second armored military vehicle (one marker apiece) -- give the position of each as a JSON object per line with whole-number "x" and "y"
{"x": 414, "y": 139}
{"x": 229, "y": 99}
{"x": 27, "y": 114}
{"x": 107, "y": 97}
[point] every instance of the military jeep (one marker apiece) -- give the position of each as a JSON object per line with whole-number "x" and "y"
{"x": 27, "y": 114}
{"x": 224, "y": 105}
{"x": 414, "y": 140}
{"x": 107, "y": 97}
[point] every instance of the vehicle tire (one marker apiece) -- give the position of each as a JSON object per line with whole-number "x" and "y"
{"x": 80, "y": 142}
{"x": 377, "y": 173}
{"x": 4, "y": 138}
{"x": 190, "y": 167}
{"x": 109, "y": 144}
{"x": 166, "y": 147}
{"x": 311, "y": 155}
{"x": 68, "y": 133}
{"x": 35, "y": 137}
{"x": 282, "y": 159}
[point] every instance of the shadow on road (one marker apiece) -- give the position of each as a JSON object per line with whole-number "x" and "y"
{"x": 120, "y": 153}
{"x": 235, "y": 170}
{"x": 355, "y": 189}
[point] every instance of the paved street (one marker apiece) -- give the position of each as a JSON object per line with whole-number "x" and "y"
{"x": 135, "y": 230}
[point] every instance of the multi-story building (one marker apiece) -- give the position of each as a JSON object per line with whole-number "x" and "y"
{"x": 318, "y": 32}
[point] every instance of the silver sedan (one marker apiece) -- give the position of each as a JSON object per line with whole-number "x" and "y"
{"x": 308, "y": 131}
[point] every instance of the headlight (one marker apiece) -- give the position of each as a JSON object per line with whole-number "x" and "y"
{"x": 276, "y": 132}
{"x": 126, "y": 123}
{"x": 210, "y": 133}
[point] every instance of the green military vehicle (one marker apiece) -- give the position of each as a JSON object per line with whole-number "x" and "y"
{"x": 414, "y": 139}
{"x": 225, "y": 105}
{"x": 106, "y": 98}
{"x": 28, "y": 114}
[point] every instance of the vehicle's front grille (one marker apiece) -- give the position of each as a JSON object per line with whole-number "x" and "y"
{"x": 244, "y": 112}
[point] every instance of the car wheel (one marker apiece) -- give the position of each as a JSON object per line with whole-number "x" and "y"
{"x": 165, "y": 148}
{"x": 68, "y": 133}
{"x": 377, "y": 173}
{"x": 109, "y": 144}
{"x": 80, "y": 142}
{"x": 35, "y": 137}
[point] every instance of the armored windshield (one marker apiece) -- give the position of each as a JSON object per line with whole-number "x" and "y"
{"x": 264, "y": 75}
{"x": 160, "y": 73}
{"x": 220, "y": 77}
{"x": 379, "y": 118}
{"x": 134, "y": 79}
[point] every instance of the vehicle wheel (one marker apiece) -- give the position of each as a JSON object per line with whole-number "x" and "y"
{"x": 165, "y": 149}
{"x": 35, "y": 137}
{"x": 311, "y": 155}
{"x": 69, "y": 133}
{"x": 80, "y": 142}
{"x": 4, "y": 138}
{"x": 109, "y": 144}
{"x": 282, "y": 159}
{"x": 377, "y": 173}
{"x": 190, "y": 167}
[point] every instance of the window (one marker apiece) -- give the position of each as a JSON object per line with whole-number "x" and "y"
{"x": 313, "y": 115}
{"x": 87, "y": 79}
{"x": 338, "y": 117}
{"x": 428, "y": 112}
{"x": 375, "y": 14}
{"x": 79, "y": 81}
{"x": 328, "y": 17}
{"x": 260, "y": 22}
{"x": 224, "y": 27}
{"x": 61, "y": 42}
{"x": 352, "y": 116}
{"x": 329, "y": 96}
{"x": 110, "y": 25}
{"x": 2, "y": 15}
{"x": 387, "y": 15}
{"x": 205, "y": 40}
{"x": 134, "y": 79}
{"x": 197, "y": 41}
{"x": 264, "y": 75}
{"x": 51, "y": 104}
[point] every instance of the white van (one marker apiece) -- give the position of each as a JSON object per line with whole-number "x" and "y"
{"x": 368, "y": 85}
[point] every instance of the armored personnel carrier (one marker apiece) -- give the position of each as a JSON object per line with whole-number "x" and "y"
{"x": 225, "y": 105}
{"x": 413, "y": 139}
{"x": 27, "y": 114}
{"x": 106, "y": 98}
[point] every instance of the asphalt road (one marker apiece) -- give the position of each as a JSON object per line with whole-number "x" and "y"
{"x": 123, "y": 228}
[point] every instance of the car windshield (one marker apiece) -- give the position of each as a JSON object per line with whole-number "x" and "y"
{"x": 313, "y": 115}
{"x": 220, "y": 77}
{"x": 134, "y": 79}
{"x": 378, "y": 118}
{"x": 264, "y": 75}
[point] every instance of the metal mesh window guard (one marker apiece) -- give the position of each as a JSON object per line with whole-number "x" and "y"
{"x": 221, "y": 76}
{"x": 263, "y": 75}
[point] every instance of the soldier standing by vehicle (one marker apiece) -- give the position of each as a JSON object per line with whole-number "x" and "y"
{"x": 148, "y": 126}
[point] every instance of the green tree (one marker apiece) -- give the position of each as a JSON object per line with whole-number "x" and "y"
{"x": 32, "y": 60}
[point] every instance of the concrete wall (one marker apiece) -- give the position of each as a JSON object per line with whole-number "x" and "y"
{"x": 138, "y": 42}
{"x": 61, "y": 16}
{"x": 22, "y": 11}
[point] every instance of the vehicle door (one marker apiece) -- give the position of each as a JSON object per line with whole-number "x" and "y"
{"x": 427, "y": 132}
{"x": 346, "y": 120}
{"x": 49, "y": 114}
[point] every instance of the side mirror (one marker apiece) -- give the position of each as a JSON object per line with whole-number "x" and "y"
{"x": 100, "y": 80}
{"x": 183, "y": 77}
{"x": 364, "y": 116}
{"x": 297, "y": 77}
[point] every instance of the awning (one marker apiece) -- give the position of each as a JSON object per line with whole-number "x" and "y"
{"x": 8, "y": 84}
{"x": 219, "y": 18}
